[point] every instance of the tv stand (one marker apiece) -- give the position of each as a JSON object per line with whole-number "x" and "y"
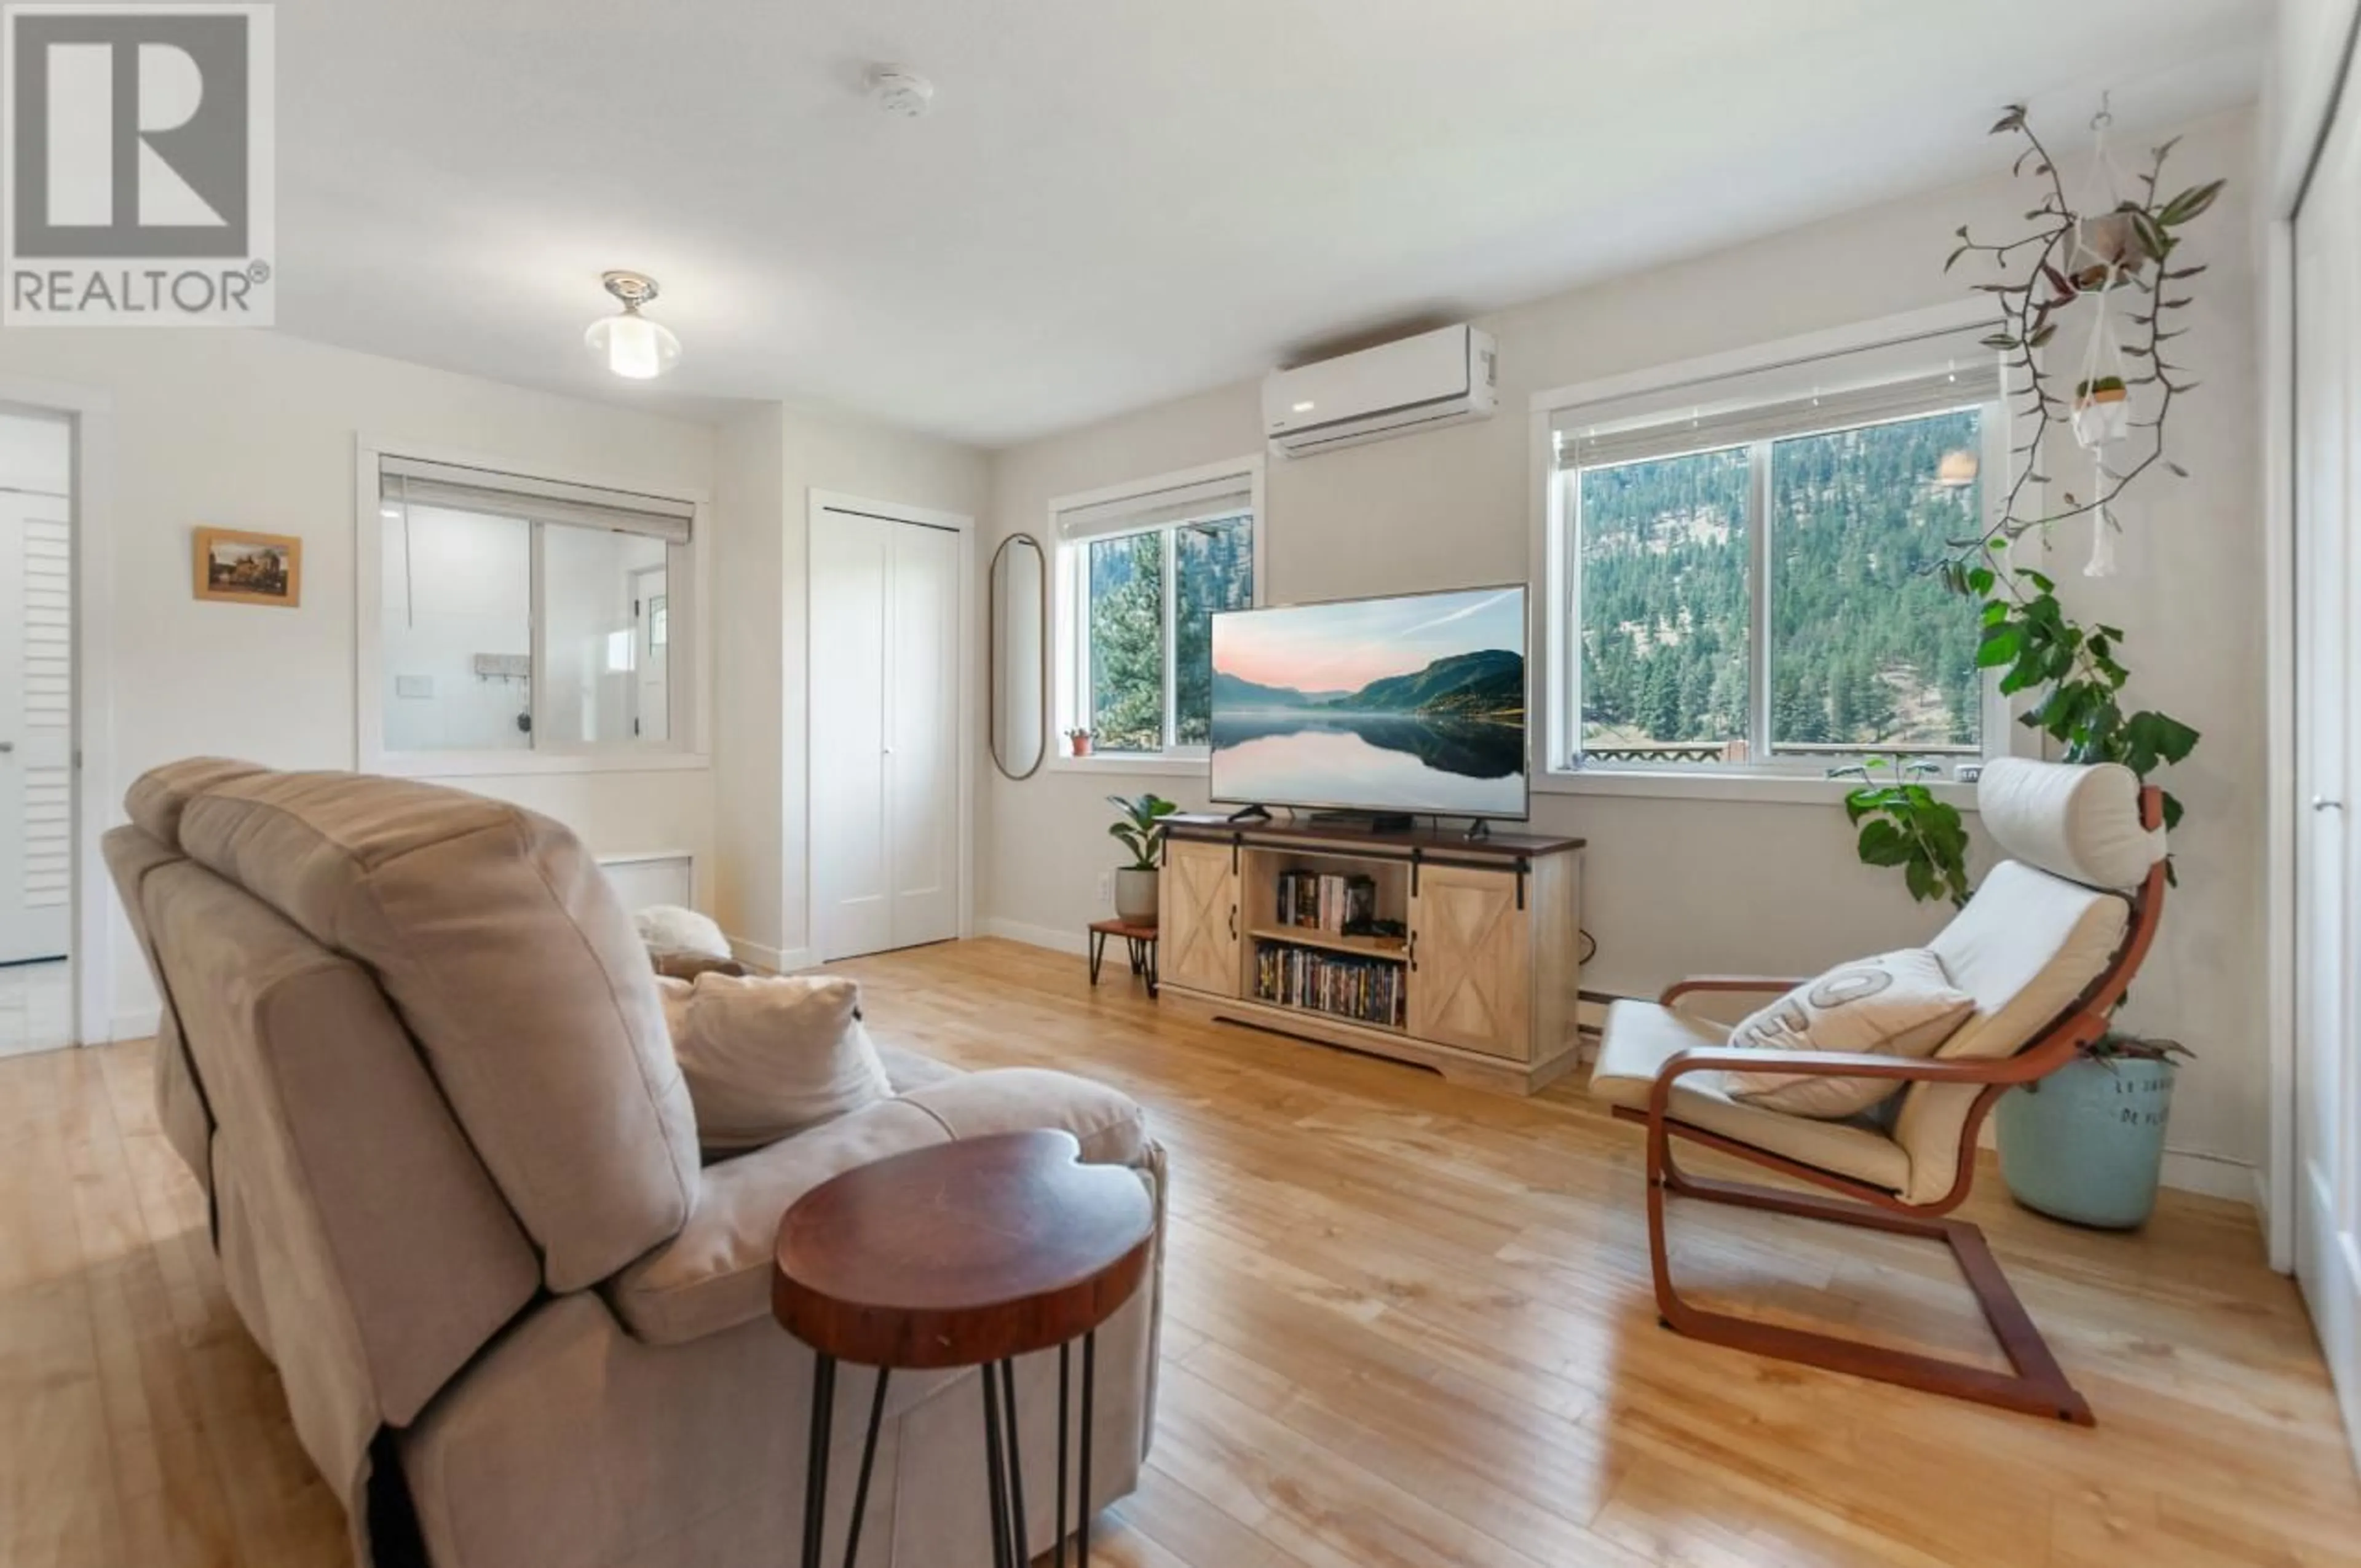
{"x": 1479, "y": 828}
{"x": 1467, "y": 960}
{"x": 1249, "y": 814}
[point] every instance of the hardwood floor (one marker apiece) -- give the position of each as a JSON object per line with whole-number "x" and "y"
{"x": 1408, "y": 1325}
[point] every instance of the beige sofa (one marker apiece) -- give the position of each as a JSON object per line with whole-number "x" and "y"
{"x": 412, "y": 1048}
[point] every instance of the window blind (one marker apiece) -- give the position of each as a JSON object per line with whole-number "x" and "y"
{"x": 1898, "y": 381}
{"x": 1230, "y": 494}
{"x": 410, "y": 480}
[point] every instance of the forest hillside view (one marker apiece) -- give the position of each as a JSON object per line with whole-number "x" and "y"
{"x": 1868, "y": 649}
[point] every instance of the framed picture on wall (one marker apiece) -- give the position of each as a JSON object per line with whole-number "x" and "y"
{"x": 249, "y": 568}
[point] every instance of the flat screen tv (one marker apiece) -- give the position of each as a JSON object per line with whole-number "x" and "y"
{"x": 1408, "y": 705}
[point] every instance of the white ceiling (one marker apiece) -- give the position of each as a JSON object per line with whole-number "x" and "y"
{"x": 1114, "y": 201}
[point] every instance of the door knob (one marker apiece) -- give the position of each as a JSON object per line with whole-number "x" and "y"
{"x": 2322, "y": 803}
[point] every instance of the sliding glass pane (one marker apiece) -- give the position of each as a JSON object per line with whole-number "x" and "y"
{"x": 597, "y": 686}
{"x": 457, "y": 617}
{"x": 1664, "y": 609}
{"x": 1869, "y": 652}
{"x": 1126, "y": 642}
{"x": 1213, "y": 566}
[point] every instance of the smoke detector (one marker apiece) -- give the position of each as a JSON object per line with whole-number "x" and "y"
{"x": 900, "y": 92}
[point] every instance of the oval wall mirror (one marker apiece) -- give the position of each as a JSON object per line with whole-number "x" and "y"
{"x": 1018, "y": 721}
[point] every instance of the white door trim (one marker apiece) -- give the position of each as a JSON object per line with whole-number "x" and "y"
{"x": 96, "y": 799}
{"x": 2298, "y": 113}
{"x": 970, "y": 691}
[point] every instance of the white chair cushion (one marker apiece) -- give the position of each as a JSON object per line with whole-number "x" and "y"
{"x": 2080, "y": 822}
{"x": 766, "y": 1057}
{"x": 1899, "y": 1004}
{"x": 1641, "y": 1037}
{"x": 2025, "y": 948}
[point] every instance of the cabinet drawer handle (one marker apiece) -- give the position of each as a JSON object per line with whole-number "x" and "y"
{"x": 1233, "y": 922}
{"x": 1411, "y": 953}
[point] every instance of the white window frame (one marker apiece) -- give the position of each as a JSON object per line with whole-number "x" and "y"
{"x": 1069, "y": 593}
{"x": 686, "y": 748}
{"x": 1791, "y": 367}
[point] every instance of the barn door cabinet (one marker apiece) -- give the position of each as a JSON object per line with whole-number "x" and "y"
{"x": 1292, "y": 928}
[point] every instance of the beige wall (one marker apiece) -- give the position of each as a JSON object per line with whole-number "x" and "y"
{"x": 770, "y": 461}
{"x": 1673, "y": 886}
{"x": 254, "y": 430}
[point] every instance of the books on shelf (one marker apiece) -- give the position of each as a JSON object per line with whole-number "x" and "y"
{"x": 1326, "y": 901}
{"x": 1368, "y": 991}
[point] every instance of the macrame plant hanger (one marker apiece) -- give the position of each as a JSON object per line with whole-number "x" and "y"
{"x": 2106, "y": 247}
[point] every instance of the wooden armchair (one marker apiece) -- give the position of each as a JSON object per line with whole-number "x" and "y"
{"x": 2046, "y": 947}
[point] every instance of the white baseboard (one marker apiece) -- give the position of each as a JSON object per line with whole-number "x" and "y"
{"x": 754, "y": 955}
{"x": 140, "y": 1024}
{"x": 2216, "y": 1176}
{"x": 1055, "y": 938}
{"x": 772, "y": 961}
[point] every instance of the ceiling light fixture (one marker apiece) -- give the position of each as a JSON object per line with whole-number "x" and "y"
{"x": 630, "y": 345}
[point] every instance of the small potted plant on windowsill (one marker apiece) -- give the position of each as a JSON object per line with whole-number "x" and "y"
{"x": 1077, "y": 743}
{"x": 2086, "y": 1143}
{"x": 1141, "y": 829}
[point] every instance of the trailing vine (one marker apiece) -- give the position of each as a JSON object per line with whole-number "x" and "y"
{"x": 2075, "y": 670}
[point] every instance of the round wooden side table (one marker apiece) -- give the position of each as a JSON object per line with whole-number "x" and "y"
{"x": 967, "y": 1254}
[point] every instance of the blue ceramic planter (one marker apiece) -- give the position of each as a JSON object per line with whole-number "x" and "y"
{"x": 2086, "y": 1143}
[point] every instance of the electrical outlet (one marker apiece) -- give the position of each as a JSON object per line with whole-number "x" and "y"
{"x": 1106, "y": 887}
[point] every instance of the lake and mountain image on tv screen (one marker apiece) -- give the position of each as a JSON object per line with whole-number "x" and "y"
{"x": 1414, "y": 703}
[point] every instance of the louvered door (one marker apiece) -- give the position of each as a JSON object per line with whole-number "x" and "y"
{"x": 36, "y": 728}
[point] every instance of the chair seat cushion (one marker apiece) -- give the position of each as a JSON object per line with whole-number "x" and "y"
{"x": 1899, "y": 1004}
{"x": 1641, "y": 1037}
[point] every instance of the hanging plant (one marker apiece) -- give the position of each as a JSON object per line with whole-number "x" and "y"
{"x": 2073, "y": 672}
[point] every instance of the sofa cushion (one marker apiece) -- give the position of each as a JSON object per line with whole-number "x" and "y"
{"x": 1641, "y": 1037}
{"x": 515, "y": 969}
{"x": 1899, "y": 1004}
{"x": 157, "y": 798}
{"x": 767, "y": 1055}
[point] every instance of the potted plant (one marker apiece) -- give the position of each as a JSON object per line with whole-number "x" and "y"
{"x": 1079, "y": 743}
{"x": 1141, "y": 829}
{"x": 2102, "y": 411}
{"x": 2086, "y": 1143}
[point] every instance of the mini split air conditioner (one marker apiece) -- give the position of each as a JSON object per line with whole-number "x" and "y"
{"x": 1440, "y": 377}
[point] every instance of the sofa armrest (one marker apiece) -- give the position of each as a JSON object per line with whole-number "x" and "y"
{"x": 716, "y": 1273}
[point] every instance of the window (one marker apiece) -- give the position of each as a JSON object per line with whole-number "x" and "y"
{"x": 519, "y": 616}
{"x": 1749, "y": 581}
{"x": 1141, "y": 573}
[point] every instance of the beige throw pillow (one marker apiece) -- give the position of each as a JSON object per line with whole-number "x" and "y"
{"x": 769, "y": 1055}
{"x": 1899, "y": 1004}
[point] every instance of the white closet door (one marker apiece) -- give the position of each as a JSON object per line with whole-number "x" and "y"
{"x": 922, "y": 733}
{"x": 2328, "y": 1048}
{"x": 885, "y": 733}
{"x": 36, "y": 728}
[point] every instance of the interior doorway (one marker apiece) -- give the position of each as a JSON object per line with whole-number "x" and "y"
{"x": 36, "y": 707}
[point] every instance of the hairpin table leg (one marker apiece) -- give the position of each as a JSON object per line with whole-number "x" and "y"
{"x": 816, "y": 1457}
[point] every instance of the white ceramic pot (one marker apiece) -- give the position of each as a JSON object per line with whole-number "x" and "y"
{"x": 1134, "y": 895}
{"x": 2098, "y": 423}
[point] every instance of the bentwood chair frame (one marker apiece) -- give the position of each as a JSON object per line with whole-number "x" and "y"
{"x": 2037, "y": 1385}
